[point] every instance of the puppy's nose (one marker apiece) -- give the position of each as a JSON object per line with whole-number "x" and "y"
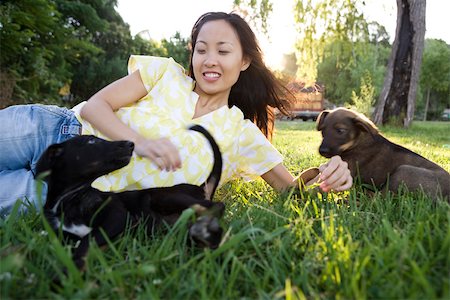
{"x": 324, "y": 150}
{"x": 129, "y": 145}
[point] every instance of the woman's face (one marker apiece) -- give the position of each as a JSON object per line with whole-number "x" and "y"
{"x": 217, "y": 59}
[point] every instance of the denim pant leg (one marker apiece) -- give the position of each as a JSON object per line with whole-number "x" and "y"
{"x": 25, "y": 132}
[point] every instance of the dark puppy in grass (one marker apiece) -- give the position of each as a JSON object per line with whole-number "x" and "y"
{"x": 83, "y": 212}
{"x": 377, "y": 161}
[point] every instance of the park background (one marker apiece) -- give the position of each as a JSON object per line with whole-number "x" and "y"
{"x": 347, "y": 245}
{"x": 61, "y": 52}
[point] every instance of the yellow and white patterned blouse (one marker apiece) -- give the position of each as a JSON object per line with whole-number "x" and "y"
{"x": 167, "y": 111}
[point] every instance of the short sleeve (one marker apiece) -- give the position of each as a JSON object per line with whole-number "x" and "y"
{"x": 256, "y": 155}
{"x": 151, "y": 68}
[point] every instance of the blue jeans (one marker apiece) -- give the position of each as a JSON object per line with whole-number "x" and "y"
{"x": 25, "y": 132}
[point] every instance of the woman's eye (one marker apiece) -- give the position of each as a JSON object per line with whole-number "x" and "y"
{"x": 201, "y": 51}
{"x": 223, "y": 52}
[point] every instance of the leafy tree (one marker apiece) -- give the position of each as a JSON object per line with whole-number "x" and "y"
{"x": 363, "y": 103}
{"x": 43, "y": 42}
{"x": 255, "y": 11}
{"x": 94, "y": 73}
{"x": 290, "y": 65}
{"x": 336, "y": 45}
{"x": 107, "y": 31}
{"x": 142, "y": 46}
{"x": 435, "y": 76}
{"x": 104, "y": 40}
{"x": 30, "y": 58}
{"x": 342, "y": 74}
{"x": 321, "y": 21}
{"x": 318, "y": 20}
{"x": 178, "y": 48}
{"x": 75, "y": 47}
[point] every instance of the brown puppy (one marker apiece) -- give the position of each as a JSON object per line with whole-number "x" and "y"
{"x": 375, "y": 159}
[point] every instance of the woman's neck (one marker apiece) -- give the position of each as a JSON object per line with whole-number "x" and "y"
{"x": 208, "y": 103}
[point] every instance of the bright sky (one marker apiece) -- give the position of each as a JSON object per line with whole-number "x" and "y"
{"x": 164, "y": 18}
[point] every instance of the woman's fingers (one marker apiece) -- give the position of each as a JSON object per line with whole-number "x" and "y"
{"x": 161, "y": 151}
{"x": 166, "y": 155}
{"x": 335, "y": 175}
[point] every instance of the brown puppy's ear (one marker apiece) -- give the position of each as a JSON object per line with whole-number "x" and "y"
{"x": 320, "y": 119}
{"x": 365, "y": 124}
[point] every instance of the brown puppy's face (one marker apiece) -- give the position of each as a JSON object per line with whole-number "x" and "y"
{"x": 340, "y": 130}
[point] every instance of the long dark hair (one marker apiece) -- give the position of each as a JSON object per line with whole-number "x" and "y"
{"x": 257, "y": 91}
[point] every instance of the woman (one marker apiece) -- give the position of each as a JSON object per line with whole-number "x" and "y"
{"x": 229, "y": 91}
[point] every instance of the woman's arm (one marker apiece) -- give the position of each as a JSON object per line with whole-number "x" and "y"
{"x": 334, "y": 175}
{"x": 99, "y": 111}
{"x": 279, "y": 178}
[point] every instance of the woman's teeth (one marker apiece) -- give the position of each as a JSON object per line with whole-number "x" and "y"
{"x": 211, "y": 75}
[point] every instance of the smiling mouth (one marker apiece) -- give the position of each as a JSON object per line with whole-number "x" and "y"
{"x": 211, "y": 75}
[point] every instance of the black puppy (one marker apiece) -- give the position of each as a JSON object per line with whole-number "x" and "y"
{"x": 82, "y": 212}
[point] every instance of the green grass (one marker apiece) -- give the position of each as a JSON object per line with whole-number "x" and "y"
{"x": 324, "y": 246}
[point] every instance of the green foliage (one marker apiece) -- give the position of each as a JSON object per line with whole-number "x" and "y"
{"x": 93, "y": 73}
{"x": 435, "y": 77}
{"x": 104, "y": 39}
{"x": 141, "y": 46}
{"x": 435, "y": 72}
{"x": 50, "y": 44}
{"x": 337, "y": 47}
{"x": 277, "y": 246}
{"x": 318, "y": 22}
{"x": 19, "y": 28}
{"x": 30, "y": 35}
{"x": 364, "y": 102}
{"x": 345, "y": 64}
{"x": 255, "y": 11}
{"x": 177, "y": 47}
{"x": 81, "y": 16}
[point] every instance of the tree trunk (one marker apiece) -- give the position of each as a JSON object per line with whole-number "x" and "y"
{"x": 398, "y": 97}
{"x": 427, "y": 103}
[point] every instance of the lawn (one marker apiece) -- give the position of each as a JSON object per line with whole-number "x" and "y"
{"x": 321, "y": 246}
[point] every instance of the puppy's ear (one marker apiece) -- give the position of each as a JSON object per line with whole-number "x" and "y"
{"x": 48, "y": 158}
{"x": 321, "y": 119}
{"x": 366, "y": 125}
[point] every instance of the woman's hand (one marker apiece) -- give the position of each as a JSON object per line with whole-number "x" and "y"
{"x": 335, "y": 175}
{"x": 161, "y": 151}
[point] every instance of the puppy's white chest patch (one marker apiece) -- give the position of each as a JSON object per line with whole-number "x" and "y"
{"x": 80, "y": 230}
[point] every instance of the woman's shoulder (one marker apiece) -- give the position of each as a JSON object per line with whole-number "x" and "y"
{"x": 236, "y": 116}
{"x": 245, "y": 130}
{"x": 155, "y": 69}
{"x": 151, "y": 63}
